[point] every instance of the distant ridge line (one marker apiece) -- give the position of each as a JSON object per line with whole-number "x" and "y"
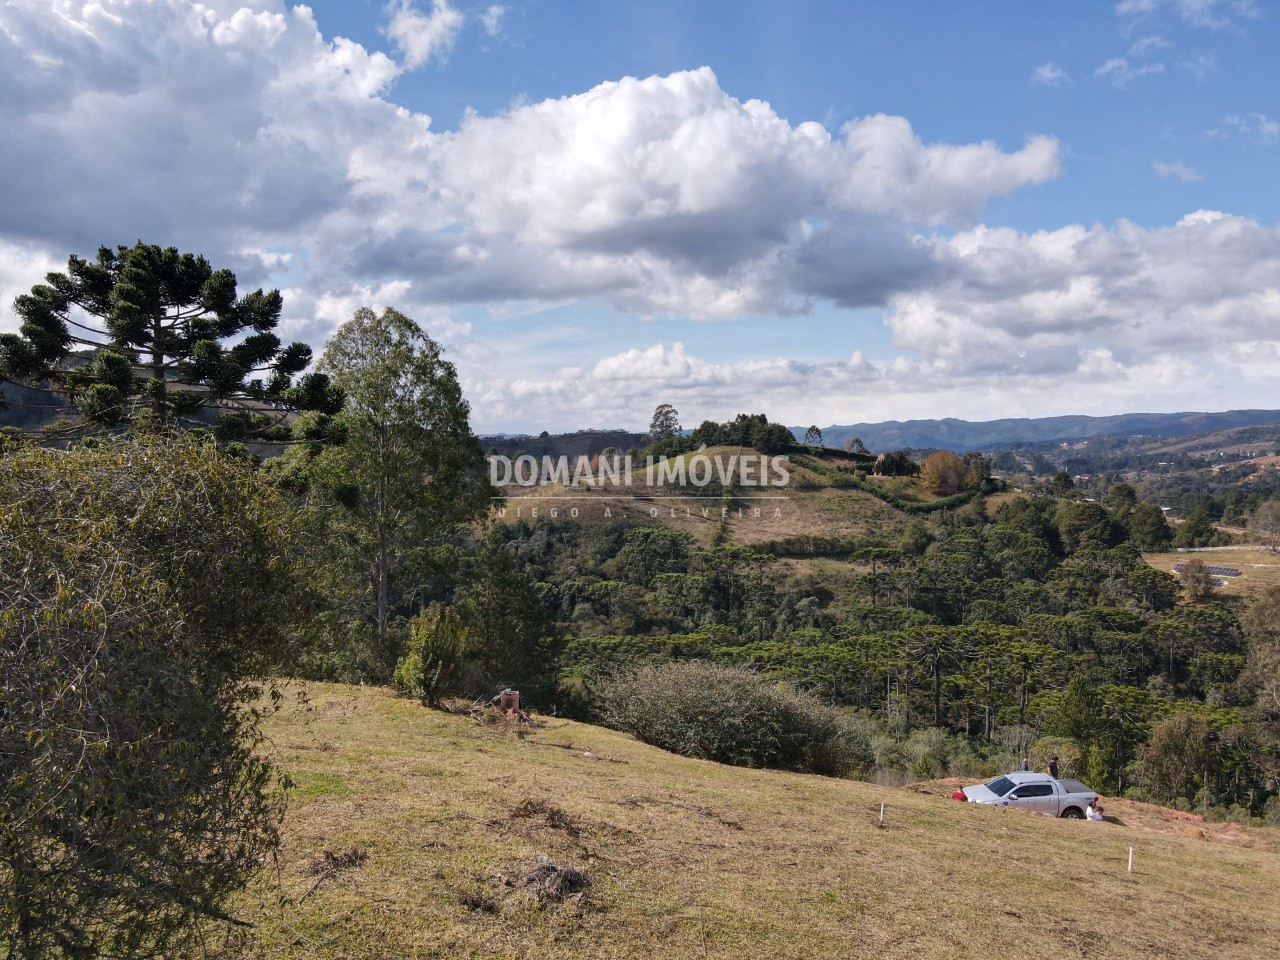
{"x": 964, "y": 435}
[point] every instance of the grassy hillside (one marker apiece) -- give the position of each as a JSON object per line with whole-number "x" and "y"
{"x": 411, "y": 832}
{"x": 810, "y": 505}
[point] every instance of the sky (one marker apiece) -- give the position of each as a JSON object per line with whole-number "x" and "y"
{"x": 829, "y": 212}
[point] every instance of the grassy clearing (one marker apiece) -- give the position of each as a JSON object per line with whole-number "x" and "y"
{"x": 1259, "y": 569}
{"x": 420, "y": 830}
{"x": 809, "y": 506}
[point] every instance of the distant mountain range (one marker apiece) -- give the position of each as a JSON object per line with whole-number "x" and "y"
{"x": 963, "y": 435}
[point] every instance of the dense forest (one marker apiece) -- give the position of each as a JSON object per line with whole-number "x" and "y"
{"x": 1033, "y": 628}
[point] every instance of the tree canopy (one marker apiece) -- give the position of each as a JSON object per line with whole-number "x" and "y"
{"x": 409, "y": 470}
{"x": 665, "y": 422}
{"x": 149, "y": 330}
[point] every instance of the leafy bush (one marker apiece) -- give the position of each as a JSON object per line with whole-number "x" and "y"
{"x": 437, "y": 644}
{"x": 142, "y": 586}
{"x": 931, "y": 752}
{"x": 732, "y": 715}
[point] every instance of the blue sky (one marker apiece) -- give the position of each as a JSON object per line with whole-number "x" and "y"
{"x": 830, "y": 212}
{"x": 960, "y": 72}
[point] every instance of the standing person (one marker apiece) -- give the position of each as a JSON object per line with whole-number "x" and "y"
{"x": 1026, "y": 764}
{"x": 1053, "y": 768}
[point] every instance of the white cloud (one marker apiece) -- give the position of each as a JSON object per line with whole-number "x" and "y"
{"x": 421, "y": 37}
{"x": 22, "y": 264}
{"x": 1119, "y": 71}
{"x": 1175, "y": 170}
{"x": 1144, "y": 45}
{"x": 235, "y": 129}
{"x": 1212, "y": 14}
{"x": 1072, "y": 320}
{"x": 1034, "y": 303}
{"x": 1201, "y": 65}
{"x": 1049, "y": 75}
{"x": 1255, "y": 125}
{"x": 492, "y": 18}
{"x": 659, "y": 195}
{"x": 668, "y": 195}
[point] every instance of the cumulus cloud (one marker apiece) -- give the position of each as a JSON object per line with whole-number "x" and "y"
{"x": 1049, "y": 75}
{"x": 248, "y": 130}
{"x": 21, "y": 266}
{"x": 1078, "y": 319}
{"x": 1175, "y": 171}
{"x": 423, "y": 36}
{"x": 667, "y": 194}
{"x": 1035, "y": 303}
{"x": 212, "y": 126}
{"x": 236, "y": 129}
{"x": 850, "y": 390}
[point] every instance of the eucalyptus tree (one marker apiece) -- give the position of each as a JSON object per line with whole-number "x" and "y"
{"x": 409, "y": 472}
{"x": 665, "y": 423}
{"x": 145, "y": 330}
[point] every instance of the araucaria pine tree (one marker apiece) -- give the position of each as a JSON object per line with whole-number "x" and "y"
{"x": 149, "y": 331}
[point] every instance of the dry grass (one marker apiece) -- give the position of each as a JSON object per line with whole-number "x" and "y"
{"x": 1259, "y": 569}
{"x": 808, "y": 506}
{"x": 572, "y": 841}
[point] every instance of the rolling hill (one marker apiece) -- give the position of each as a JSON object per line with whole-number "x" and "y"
{"x": 813, "y": 504}
{"x": 414, "y": 833}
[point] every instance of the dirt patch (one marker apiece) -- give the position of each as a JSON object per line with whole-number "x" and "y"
{"x": 543, "y": 882}
{"x": 329, "y": 865}
{"x": 541, "y": 813}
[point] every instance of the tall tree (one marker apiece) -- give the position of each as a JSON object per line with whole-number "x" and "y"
{"x": 943, "y": 472}
{"x": 1196, "y": 530}
{"x": 1148, "y": 528}
{"x": 513, "y": 639}
{"x": 813, "y": 437}
{"x": 1061, "y": 484}
{"x": 1265, "y": 524}
{"x": 142, "y": 328}
{"x": 665, "y": 422}
{"x": 410, "y": 470}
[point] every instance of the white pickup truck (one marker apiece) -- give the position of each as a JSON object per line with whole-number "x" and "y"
{"x": 1037, "y": 792}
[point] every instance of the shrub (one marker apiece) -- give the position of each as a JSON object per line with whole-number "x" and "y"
{"x": 1196, "y": 580}
{"x": 931, "y": 753}
{"x": 732, "y": 715}
{"x": 437, "y": 644}
{"x": 141, "y": 587}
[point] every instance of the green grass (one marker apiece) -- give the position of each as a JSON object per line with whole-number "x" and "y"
{"x": 689, "y": 859}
